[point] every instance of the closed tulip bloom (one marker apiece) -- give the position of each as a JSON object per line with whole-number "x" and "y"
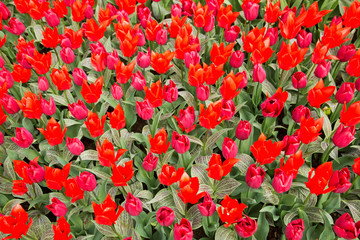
{"x": 232, "y": 33}
{"x": 143, "y": 59}
{"x": 322, "y": 69}
{"x": 43, "y": 84}
{"x": 345, "y": 93}
{"x": 23, "y": 138}
{"x": 350, "y": 116}
{"x": 294, "y": 230}
{"x": 75, "y": 146}
{"x": 57, "y": 207}
{"x": 116, "y": 91}
{"x": 52, "y": 18}
{"x": 246, "y": 227}
{"x": 4, "y": 11}
{"x": 170, "y": 92}
{"x": 165, "y": 216}
{"x": 191, "y": 57}
{"x": 207, "y": 207}
{"x": 78, "y": 110}
{"x": 105, "y": 213}
{"x": 183, "y": 231}
{"x": 138, "y": 81}
{"x": 273, "y": 105}
{"x": 6, "y": 76}
{"x": 94, "y": 124}
{"x": 133, "y": 205}
{"x": 78, "y": 76}
{"x": 346, "y": 52}
{"x": 186, "y": 119}
{"x": 357, "y": 84}
{"x": 299, "y": 80}
{"x": 259, "y": 74}
{"x": 161, "y": 37}
{"x": 272, "y": 34}
{"x": 340, "y": 180}
{"x": 180, "y": 143}
{"x": 251, "y": 9}
{"x": 15, "y": 26}
{"x": 344, "y": 136}
{"x": 86, "y": 181}
{"x": 291, "y": 144}
{"x": 299, "y": 112}
{"x": 345, "y": 227}
{"x": 320, "y": 94}
{"x": 202, "y": 92}
{"x": 176, "y": 10}
{"x": 48, "y": 107}
{"x": 112, "y": 60}
{"x": 9, "y": 103}
{"x": 281, "y": 182}
{"x": 304, "y": 39}
{"x": 144, "y": 109}
{"x": 150, "y": 162}
{"x": 53, "y": 132}
{"x": 159, "y": 144}
{"x": 227, "y": 109}
{"x": 310, "y": 129}
{"x": 121, "y": 175}
{"x": 243, "y": 130}
{"x": 237, "y": 59}
{"x": 254, "y": 176}
{"x": 229, "y": 148}
{"x": 143, "y": 15}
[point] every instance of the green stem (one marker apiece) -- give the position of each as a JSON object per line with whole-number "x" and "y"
{"x": 325, "y": 156}
{"x": 67, "y": 99}
{"x": 7, "y": 132}
{"x": 311, "y": 71}
{"x": 282, "y": 77}
{"x": 352, "y": 184}
{"x": 94, "y": 107}
{"x": 222, "y": 35}
{"x": 205, "y": 140}
{"x": 58, "y": 149}
{"x": 307, "y": 199}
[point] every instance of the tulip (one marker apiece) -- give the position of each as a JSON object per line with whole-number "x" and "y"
{"x": 202, "y": 92}
{"x": 4, "y": 12}
{"x": 75, "y": 146}
{"x": 336, "y": 20}
{"x": 357, "y": 84}
{"x": 2, "y": 62}
{"x": 229, "y": 148}
{"x": 121, "y": 175}
{"x": 254, "y": 176}
{"x": 304, "y": 39}
{"x": 320, "y": 94}
{"x": 273, "y": 105}
{"x": 291, "y": 144}
{"x": 72, "y": 190}
{"x": 345, "y": 227}
{"x": 55, "y": 178}
{"x": 218, "y": 169}
{"x": 143, "y": 59}
{"x": 161, "y": 37}
{"x": 176, "y": 10}
{"x": 186, "y": 119}
{"x": 105, "y": 213}
{"x": 183, "y": 231}
{"x": 169, "y": 175}
{"x": 232, "y": 33}
{"x": 322, "y": 69}
{"x": 251, "y": 10}
{"x": 143, "y": 14}
{"x": 344, "y": 136}
{"x": 62, "y": 229}
{"x": 230, "y": 210}
{"x": 281, "y": 182}
{"x": 150, "y": 162}
{"x": 299, "y": 112}
{"x": 23, "y": 138}
{"x": 210, "y": 23}
{"x": 144, "y": 109}
{"x": 170, "y": 92}
{"x": 48, "y": 107}
{"x": 272, "y": 34}
{"x": 237, "y": 59}
{"x": 265, "y": 151}
{"x": 78, "y": 110}
{"x": 133, "y": 205}
{"x": 246, "y": 227}
{"x": 5, "y": 76}
{"x": 188, "y": 7}
{"x": 78, "y": 76}
{"x": 1, "y": 139}
{"x": 53, "y": 133}
{"x": 346, "y": 52}
{"x": 356, "y": 166}
{"x": 19, "y": 187}
{"x": 294, "y": 230}
{"x": 58, "y": 208}
{"x": 138, "y": 81}
{"x": 15, "y": 26}
{"x": 220, "y": 54}
{"x": 180, "y": 143}
{"x": 340, "y": 180}
{"x": 299, "y": 80}
{"x": 112, "y": 60}
{"x": 191, "y": 57}
{"x": 9, "y": 103}
{"x": 86, "y": 181}
{"x": 259, "y": 73}
{"x": 43, "y": 83}
{"x": 16, "y": 224}
{"x": 89, "y": 12}
{"x": 345, "y": 93}
{"x": 94, "y": 124}
{"x": 139, "y": 33}
{"x": 159, "y": 143}
{"x": 61, "y": 78}
{"x": 227, "y": 109}
{"x": 52, "y": 18}
{"x": 350, "y": 116}
{"x": 116, "y": 91}
{"x": 243, "y": 130}
{"x": 165, "y": 216}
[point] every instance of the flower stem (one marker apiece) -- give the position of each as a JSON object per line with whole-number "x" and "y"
{"x": 307, "y": 198}
{"x": 311, "y": 71}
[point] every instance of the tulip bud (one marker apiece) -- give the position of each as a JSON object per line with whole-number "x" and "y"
{"x": 251, "y": 10}
{"x": 116, "y": 91}
{"x": 138, "y": 81}
{"x": 75, "y": 146}
{"x": 294, "y": 230}
{"x": 112, "y": 60}
{"x": 176, "y": 10}
{"x": 202, "y": 92}
{"x": 237, "y": 59}
{"x": 299, "y": 80}
{"x": 357, "y": 84}
{"x": 304, "y": 39}
{"x": 52, "y": 18}
{"x": 141, "y": 35}
{"x": 67, "y": 55}
{"x": 272, "y": 34}
{"x": 150, "y": 162}
{"x": 86, "y": 181}
{"x": 246, "y": 227}
{"x": 229, "y": 148}
{"x": 144, "y": 109}
{"x": 227, "y": 108}
{"x": 161, "y": 37}
{"x": 133, "y": 205}
{"x": 180, "y": 143}
{"x": 78, "y": 110}
{"x": 281, "y": 182}
{"x": 9, "y": 103}
{"x": 89, "y": 12}
{"x": 346, "y": 52}
{"x": 43, "y": 83}
{"x": 48, "y": 107}
{"x": 344, "y": 136}
{"x": 336, "y": 20}
{"x": 183, "y": 231}
{"x": 143, "y": 15}
{"x": 58, "y": 208}
{"x": 1, "y": 139}
{"x": 122, "y": 15}
{"x": 35, "y": 172}
{"x": 187, "y": 117}
{"x": 78, "y": 76}
{"x": 209, "y": 25}
{"x": 345, "y": 227}
{"x": 188, "y": 7}
{"x": 170, "y": 92}
{"x": 345, "y": 93}
{"x": 322, "y": 69}
{"x": 4, "y": 12}
{"x": 300, "y": 112}
{"x": 254, "y": 176}
{"x": 2, "y": 62}
{"x": 15, "y": 27}
{"x": 291, "y": 144}
{"x": 165, "y": 216}
{"x": 207, "y": 207}
{"x": 143, "y": 59}
{"x": 5, "y": 76}
{"x": 232, "y": 33}
{"x": 23, "y": 138}
{"x": 244, "y": 80}
{"x": 340, "y": 180}
{"x": 191, "y": 58}
{"x": 259, "y": 73}
{"x": 243, "y": 130}
{"x": 97, "y": 48}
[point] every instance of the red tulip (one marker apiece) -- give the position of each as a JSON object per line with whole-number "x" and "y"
{"x": 230, "y": 211}
{"x": 340, "y": 180}
{"x": 183, "y": 231}
{"x": 159, "y": 144}
{"x": 105, "y": 213}
{"x": 169, "y": 175}
{"x": 313, "y": 15}
{"x": 290, "y": 56}
{"x": 209, "y": 118}
{"x": 16, "y": 224}
{"x": 246, "y": 227}
{"x": 292, "y": 25}
{"x": 94, "y": 124}
{"x": 57, "y": 207}
{"x": 345, "y": 227}
{"x": 319, "y": 181}
{"x": 55, "y": 177}
{"x": 62, "y": 230}
{"x": 121, "y": 175}
{"x": 218, "y": 169}
{"x": 189, "y": 188}
{"x": 226, "y": 16}
{"x": 265, "y": 151}
{"x": 220, "y": 55}
{"x": 351, "y": 15}
{"x": 272, "y": 12}
{"x": 91, "y": 93}
{"x": 352, "y": 67}
{"x": 72, "y": 190}
{"x": 31, "y": 172}
{"x": 53, "y": 132}
{"x": 254, "y": 176}
{"x": 61, "y": 78}
{"x": 295, "y": 229}
{"x": 350, "y": 116}
{"x": 154, "y": 94}
{"x": 106, "y": 153}
{"x": 124, "y": 72}
{"x": 320, "y": 94}
{"x": 30, "y": 105}
{"x": 165, "y": 216}
{"x": 310, "y": 129}
{"x": 133, "y": 205}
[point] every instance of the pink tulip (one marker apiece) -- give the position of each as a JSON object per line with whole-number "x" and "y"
{"x": 86, "y": 181}
{"x": 207, "y": 207}
{"x": 112, "y": 60}
{"x": 180, "y": 143}
{"x": 345, "y": 227}
{"x": 48, "y": 107}
{"x": 243, "y": 130}
{"x": 150, "y": 162}
{"x": 229, "y": 148}
{"x": 133, "y": 205}
{"x": 304, "y": 39}
{"x": 75, "y": 146}
{"x": 58, "y": 208}
{"x": 15, "y": 26}
{"x": 300, "y": 112}
{"x": 259, "y": 74}
{"x": 254, "y": 176}
{"x": 23, "y": 138}
{"x": 345, "y": 93}
{"x": 246, "y": 227}
{"x": 143, "y": 59}
{"x": 344, "y": 136}
{"x": 281, "y": 182}
{"x": 227, "y": 109}
{"x": 202, "y": 92}
{"x": 165, "y": 216}
{"x": 299, "y": 80}
{"x": 237, "y": 59}
{"x": 340, "y": 180}
{"x": 116, "y": 91}
{"x": 144, "y": 109}
{"x": 43, "y": 84}
{"x": 294, "y": 230}
{"x": 138, "y": 81}
{"x": 183, "y": 231}
{"x": 170, "y": 92}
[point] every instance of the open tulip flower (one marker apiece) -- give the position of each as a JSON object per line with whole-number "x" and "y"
{"x": 179, "y": 119}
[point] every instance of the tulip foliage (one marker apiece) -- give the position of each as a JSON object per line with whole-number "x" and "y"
{"x": 179, "y": 119}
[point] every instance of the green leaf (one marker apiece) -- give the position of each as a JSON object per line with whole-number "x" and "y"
{"x": 195, "y": 217}
{"x": 272, "y": 210}
{"x": 328, "y": 232}
{"x": 155, "y": 123}
{"x": 225, "y": 187}
{"x": 178, "y": 202}
{"x": 195, "y": 140}
{"x": 214, "y": 137}
{"x": 163, "y": 193}
{"x": 225, "y": 234}
{"x": 89, "y": 155}
{"x": 9, "y": 169}
{"x": 354, "y": 206}
{"x": 263, "y": 227}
